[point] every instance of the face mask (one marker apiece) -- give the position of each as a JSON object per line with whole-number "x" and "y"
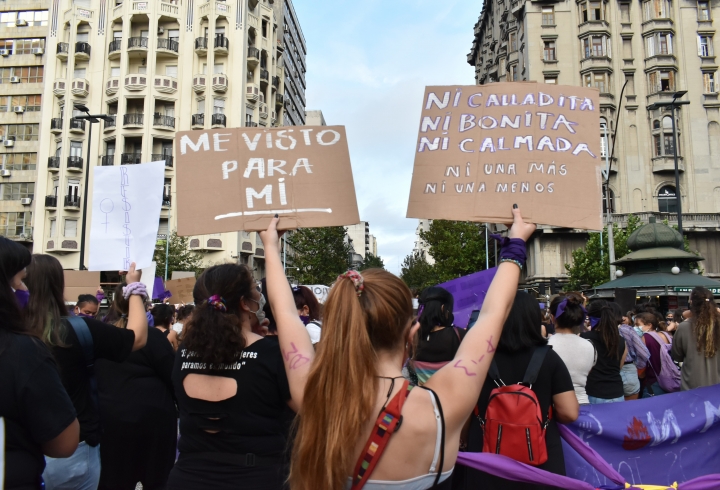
{"x": 22, "y": 297}
{"x": 85, "y": 316}
{"x": 638, "y": 331}
{"x": 260, "y": 313}
{"x": 305, "y": 319}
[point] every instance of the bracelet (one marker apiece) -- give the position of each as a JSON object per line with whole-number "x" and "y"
{"x": 136, "y": 288}
{"x": 516, "y": 262}
{"x": 512, "y": 248}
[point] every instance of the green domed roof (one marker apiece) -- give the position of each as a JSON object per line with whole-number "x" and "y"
{"x": 653, "y": 235}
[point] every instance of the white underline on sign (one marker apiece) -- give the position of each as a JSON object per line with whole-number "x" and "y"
{"x": 271, "y": 212}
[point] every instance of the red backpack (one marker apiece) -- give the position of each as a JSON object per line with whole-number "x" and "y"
{"x": 514, "y": 425}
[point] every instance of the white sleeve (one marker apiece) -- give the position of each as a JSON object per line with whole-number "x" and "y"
{"x": 314, "y": 330}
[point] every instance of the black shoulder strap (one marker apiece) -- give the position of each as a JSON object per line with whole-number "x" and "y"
{"x": 494, "y": 373}
{"x": 442, "y": 435}
{"x": 86, "y": 343}
{"x": 536, "y": 361}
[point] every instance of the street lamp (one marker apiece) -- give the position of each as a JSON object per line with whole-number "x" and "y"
{"x": 92, "y": 118}
{"x": 672, "y": 104}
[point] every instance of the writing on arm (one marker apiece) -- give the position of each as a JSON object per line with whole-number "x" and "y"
{"x": 295, "y": 358}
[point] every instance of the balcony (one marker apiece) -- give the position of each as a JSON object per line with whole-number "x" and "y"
{"x": 250, "y": 124}
{"x": 252, "y": 92}
{"x": 137, "y": 45}
{"x": 218, "y": 121}
{"x": 56, "y": 125}
{"x": 211, "y": 244}
{"x": 53, "y": 164}
{"x": 263, "y": 110}
{"x": 159, "y": 157}
{"x": 201, "y": 45}
{"x": 168, "y": 46}
{"x": 107, "y": 160}
{"x": 59, "y": 88}
{"x": 165, "y": 84}
{"x": 130, "y": 158}
{"x": 131, "y": 121}
{"x": 211, "y": 8}
{"x": 169, "y": 8}
{"x": 264, "y": 76}
{"x": 51, "y": 201}
{"x": 72, "y": 202}
{"x": 75, "y": 163}
{"x": 82, "y": 51}
{"x": 77, "y": 125}
{"x": 666, "y": 164}
{"x": 253, "y": 58}
{"x": 62, "y": 51}
{"x": 273, "y": 117}
{"x": 198, "y": 121}
{"x": 199, "y": 82}
{"x": 166, "y": 201}
{"x": 114, "y": 49}
{"x": 136, "y": 82}
{"x": 110, "y": 125}
{"x": 222, "y": 45}
{"x": 276, "y": 82}
{"x": 163, "y": 122}
{"x": 80, "y": 87}
{"x": 279, "y": 99}
{"x": 219, "y": 82}
{"x": 112, "y": 85}
{"x": 56, "y": 246}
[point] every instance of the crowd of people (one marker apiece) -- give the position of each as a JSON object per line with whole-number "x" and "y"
{"x": 258, "y": 386}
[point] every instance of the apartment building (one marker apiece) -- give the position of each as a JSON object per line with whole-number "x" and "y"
{"x": 155, "y": 67}
{"x": 294, "y": 66}
{"x": 420, "y": 245}
{"x": 359, "y": 235}
{"x": 636, "y": 53}
{"x": 23, "y": 55}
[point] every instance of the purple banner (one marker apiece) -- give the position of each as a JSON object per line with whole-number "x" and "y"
{"x": 656, "y": 441}
{"x": 469, "y": 293}
{"x": 159, "y": 291}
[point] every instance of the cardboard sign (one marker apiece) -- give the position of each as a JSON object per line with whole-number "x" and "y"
{"x": 483, "y": 148}
{"x": 80, "y": 282}
{"x": 238, "y": 179}
{"x": 181, "y": 289}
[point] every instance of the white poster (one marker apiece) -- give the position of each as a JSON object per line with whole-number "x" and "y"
{"x": 320, "y": 292}
{"x": 126, "y": 205}
{"x": 148, "y": 278}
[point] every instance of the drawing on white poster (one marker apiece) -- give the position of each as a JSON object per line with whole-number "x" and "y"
{"x": 126, "y": 204}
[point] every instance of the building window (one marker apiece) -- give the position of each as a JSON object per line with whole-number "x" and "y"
{"x": 592, "y": 11}
{"x": 21, "y": 132}
{"x": 25, "y": 46}
{"x": 661, "y": 81}
{"x": 33, "y": 18}
{"x": 549, "y": 51}
{"x": 663, "y": 140}
{"x": 17, "y": 191}
{"x": 53, "y": 228}
{"x": 115, "y": 71}
{"x": 667, "y": 200}
{"x": 703, "y": 11}
{"x": 167, "y": 192}
{"x": 600, "y": 81}
{"x": 70, "y": 228}
{"x": 656, "y": 9}
{"x": 705, "y": 47}
{"x": 596, "y": 46}
{"x": 513, "y": 41}
{"x": 27, "y": 74}
{"x": 548, "y": 16}
{"x": 30, "y": 103}
{"x": 19, "y": 161}
{"x": 501, "y": 67}
{"x": 709, "y": 84}
{"x": 513, "y": 73}
{"x": 551, "y": 80}
{"x": 218, "y": 106}
{"x": 659, "y": 44}
{"x": 15, "y": 224}
{"x": 605, "y": 200}
{"x": 604, "y": 134}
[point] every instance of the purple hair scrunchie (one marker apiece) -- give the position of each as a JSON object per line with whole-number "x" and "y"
{"x": 563, "y": 304}
{"x": 511, "y": 248}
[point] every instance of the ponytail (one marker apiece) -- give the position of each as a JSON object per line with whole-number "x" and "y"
{"x": 573, "y": 314}
{"x": 705, "y": 321}
{"x": 342, "y": 385}
{"x": 607, "y": 326}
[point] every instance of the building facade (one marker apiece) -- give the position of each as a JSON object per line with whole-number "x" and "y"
{"x": 420, "y": 245}
{"x": 154, "y": 67}
{"x": 294, "y": 66}
{"x": 636, "y": 53}
{"x": 359, "y": 236}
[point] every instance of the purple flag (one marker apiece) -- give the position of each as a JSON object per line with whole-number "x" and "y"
{"x": 469, "y": 293}
{"x": 159, "y": 291}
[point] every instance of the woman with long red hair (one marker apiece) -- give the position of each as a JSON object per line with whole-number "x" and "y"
{"x": 356, "y": 374}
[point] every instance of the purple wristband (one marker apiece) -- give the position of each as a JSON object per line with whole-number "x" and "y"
{"x": 137, "y": 288}
{"x": 512, "y": 248}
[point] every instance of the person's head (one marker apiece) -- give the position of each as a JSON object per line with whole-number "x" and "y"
{"x": 46, "y": 281}
{"x": 342, "y": 384}
{"x": 227, "y": 302}
{"x": 686, "y": 314}
{"x": 119, "y": 309}
{"x": 184, "y": 313}
{"x": 648, "y": 322}
{"x": 437, "y": 310}
{"x": 705, "y": 321}
{"x": 617, "y": 310}
{"x": 87, "y": 305}
{"x": 568, "y": 311}
{"x": 627, "y": 318}
{"x": 14, "y": 258}
{"x": 307, "y": 304}
{"x": 523, "y": 327}
{"x": 163, "y": 315}
{"x": 606, "y": 320}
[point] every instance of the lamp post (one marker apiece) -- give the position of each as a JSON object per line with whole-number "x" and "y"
{"x": 92, "y": 118}
{"x": 672, "y": 105}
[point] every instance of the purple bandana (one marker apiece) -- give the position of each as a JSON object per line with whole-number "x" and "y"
{"x": 563, "y": 304}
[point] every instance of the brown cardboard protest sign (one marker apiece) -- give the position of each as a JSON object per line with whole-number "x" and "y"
{"x": 238, "y": 179}
{"x": 80, "y": 282}
{"x": 481, "y": 149}
{"x": 181, "y": 289}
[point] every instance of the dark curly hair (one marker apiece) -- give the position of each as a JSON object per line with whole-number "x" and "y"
{"x": 163, "y": 315}
{"x": 215, "y": 336}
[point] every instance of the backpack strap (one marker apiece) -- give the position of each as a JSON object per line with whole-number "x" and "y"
{"x": 387, "y": 423}
{"x": 533, "y": 368}
{"x": 457, "y": 332}
{"x": 86, "y": 344}
{"x": 441, "y": 463}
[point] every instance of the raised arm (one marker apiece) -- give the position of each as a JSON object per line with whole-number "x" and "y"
{"x": 137, "y": 320}
{"x": 295, "y": 345}
{"x": 458, "y": 384}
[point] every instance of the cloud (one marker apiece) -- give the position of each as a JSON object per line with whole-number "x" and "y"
{"x": 368, "y": 65}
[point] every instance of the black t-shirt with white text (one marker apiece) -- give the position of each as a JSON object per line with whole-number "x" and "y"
{"x": 34, "y": 406}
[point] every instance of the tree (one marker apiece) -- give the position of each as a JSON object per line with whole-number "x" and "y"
{"x": 180, "y": 258}
{"x": 320, "y": 254}
{"x": 417, "y": 273}
{"x": 372, "y": 262}
{"x": 458, "y": 248}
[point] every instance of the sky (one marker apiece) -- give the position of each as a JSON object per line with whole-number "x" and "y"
{"x": 368, "y": 64}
